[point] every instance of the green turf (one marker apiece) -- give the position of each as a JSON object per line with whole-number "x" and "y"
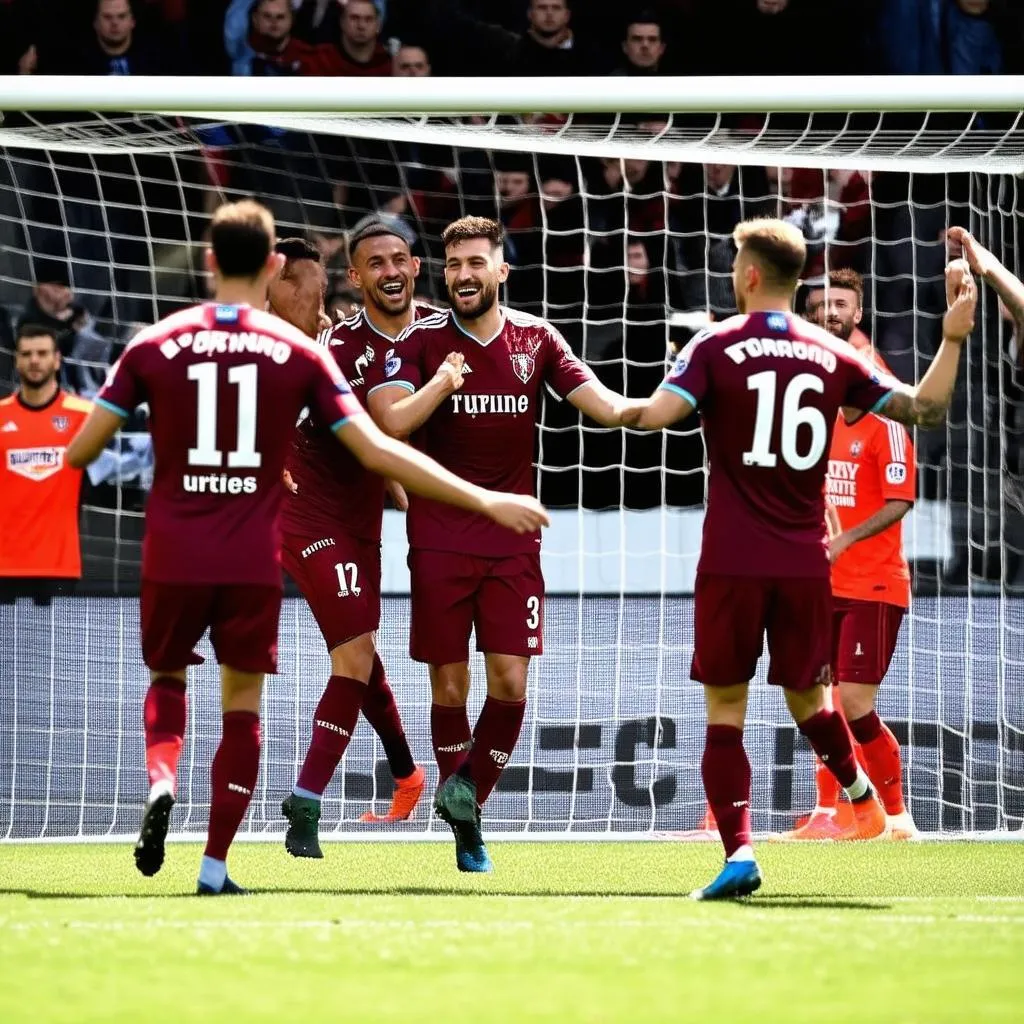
{"x": 585, "y": 932}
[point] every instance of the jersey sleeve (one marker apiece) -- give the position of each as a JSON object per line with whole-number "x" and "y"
{"x": 123, "y": 389}
{"x": 398, "y": 365}
{"x": 688, "y": 377}
{"x": 894, "y": 456}
{"x": 563, "y": 371}
{"x": 867, "y": 386}
{"x": 330, "y": 397}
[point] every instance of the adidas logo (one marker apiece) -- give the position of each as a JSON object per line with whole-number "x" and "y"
{"x": 466, "y": 369}
{"x": 10, "y": 427}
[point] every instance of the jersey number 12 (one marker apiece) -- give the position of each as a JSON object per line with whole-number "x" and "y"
{"x": 206, "y": 452}
{"x": 794, "y": 416}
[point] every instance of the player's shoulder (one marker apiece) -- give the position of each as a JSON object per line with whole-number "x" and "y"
{"x": 420, "y": 329}
{"x": 343, "y": 330}
{"x": 75, "y": 403}
{"x": 529, "y": 321}
{"x": 421, "y": 310}
{"x": 10, "y": 400}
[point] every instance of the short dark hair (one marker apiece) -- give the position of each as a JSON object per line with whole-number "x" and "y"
{"x": 645, "y": 17}
{"x": 844, "y": 277}
{"x": 297, "y": 249}
{"x": 465, "y": 228}
{"x": 372, "y": 228}
{"x": 242, "y": 235}
{"x": 33, "y": 330}
{"x": 779, "y": 248}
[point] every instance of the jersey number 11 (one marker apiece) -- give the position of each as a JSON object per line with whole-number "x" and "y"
{"x": 206, "y": 452}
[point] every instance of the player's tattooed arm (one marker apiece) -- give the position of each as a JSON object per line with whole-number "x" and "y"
{"x": 92, "y": 437}
{"x": 662, "y": 409}
{"x": 400, "y": 414}
{"x": 988, "y": 267}
{"x": 926, "y": 404}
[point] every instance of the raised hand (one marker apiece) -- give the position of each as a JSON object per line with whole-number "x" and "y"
{"x": 286, "y": 479}
{"x": 959, "y": 319}
{"x": 956, "y": 271}
{"x": 519, "y": 512}
{"x": 980, "y": 260}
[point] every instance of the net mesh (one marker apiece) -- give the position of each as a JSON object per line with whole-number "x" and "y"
{"x": 619, "y": 234}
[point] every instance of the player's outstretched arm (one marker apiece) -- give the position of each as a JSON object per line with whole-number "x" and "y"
{"x": 400, "y": 414}
{"x": 92, "y": 437}
{"x": 926, "y": 404}
{"x": 667, "y": 405}
{"x": 600, "y": 403}
{"x": 422, "y": 475}
{"x": 987, "y": 266}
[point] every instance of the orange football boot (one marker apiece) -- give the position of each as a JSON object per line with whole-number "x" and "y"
{"x": 868, "y": 820}
{"x": 818, "y": 825}
{"x": 404, "y": 800}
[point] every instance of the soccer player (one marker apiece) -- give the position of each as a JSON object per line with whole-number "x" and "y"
{"x": 769, "y": 386}
{"x": 871, "y": 486}
{"x": 332, "y": 525}
{"x": 467, "y": 382}
{"x": 227, "y": 375}
{"x": 39, "y": 547}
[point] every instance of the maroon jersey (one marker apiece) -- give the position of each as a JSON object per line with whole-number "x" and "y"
{"x": 769, "y": 386}
{"x": 334, "y": 490}
{"x": 225, "y": 385}
{"x": 485, "y": 431}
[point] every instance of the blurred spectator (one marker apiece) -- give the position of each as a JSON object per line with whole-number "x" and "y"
{"x": 359, "y": 52}
{"x": 410, "y": 61}
{"x": 643, "y": 47}
{"x": 262, "y": 43}
{"x": 833, "y": 210}
{"x": 114, "y": 49}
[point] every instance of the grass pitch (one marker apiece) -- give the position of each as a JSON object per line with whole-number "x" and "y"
{"x": 560, "y": 932}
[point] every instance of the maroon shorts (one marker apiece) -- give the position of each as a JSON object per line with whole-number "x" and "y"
{"x": 864, "y": 637}
{"x": 732, "y": 614}
{"x": 453, "y": 593}
{"x": 339, "y": 577}
{"x": 242, "y": 619}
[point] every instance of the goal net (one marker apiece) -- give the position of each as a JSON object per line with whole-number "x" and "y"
{"x": 618, "y": 230}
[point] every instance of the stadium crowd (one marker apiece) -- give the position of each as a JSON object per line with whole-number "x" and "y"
{"x": 624, "y": 256}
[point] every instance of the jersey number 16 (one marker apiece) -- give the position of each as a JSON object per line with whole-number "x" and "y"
{"x": 794, "y": 416}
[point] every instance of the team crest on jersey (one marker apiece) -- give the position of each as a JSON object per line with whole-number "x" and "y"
{"x": 35, "y": 463}
{"x": 523, "y": 366}
{"x": 226, "y": 314}
{"x": 777, "y": 322}
{"x": 392, "y": 364}
{"x": 60, "y": 423}
{"x": 856, "y": 448}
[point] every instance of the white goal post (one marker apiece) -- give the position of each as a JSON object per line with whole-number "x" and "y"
{"x": 114, "y": 179}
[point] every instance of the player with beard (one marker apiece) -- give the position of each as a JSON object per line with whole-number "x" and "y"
{"x": 467, "y": 383}
{"x": 770, "y": 386}
{"x": 871, "y": 486}
{"x": 332, "y": 525}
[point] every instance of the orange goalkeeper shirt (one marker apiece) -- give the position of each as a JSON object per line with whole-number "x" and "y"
{"x": 38, "y": 491}
{"x": 871, "y": 462}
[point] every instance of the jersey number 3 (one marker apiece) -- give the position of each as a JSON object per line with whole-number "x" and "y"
{"x": 794, "y": 416}
{"x": 206, "y": 452}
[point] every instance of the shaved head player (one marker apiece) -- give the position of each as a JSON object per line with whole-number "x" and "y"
{"x": 769, "y": 387}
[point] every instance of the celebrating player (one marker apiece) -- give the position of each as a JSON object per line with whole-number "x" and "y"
{"x": 987, "y": 266}
{"x": 871, "y": 486}
{"x": 227, "y": 374}
{"x": 332, "y": 526}
{"x": 769, "y": 387}
{"x": 468, "y": 381}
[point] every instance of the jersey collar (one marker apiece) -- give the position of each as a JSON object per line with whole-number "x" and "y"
{"x": 473, "y": 337}
{"x": 37, "y": 408}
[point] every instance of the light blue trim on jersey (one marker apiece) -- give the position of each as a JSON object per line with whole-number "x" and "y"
{"x": 681, "y": 392}
{"x": 880, "y": 404}
{"x": 339, "y": 424}
{"x": 392, "y": 384}
{"x": 110, "y": 407}
{"x": 473, "y": 337}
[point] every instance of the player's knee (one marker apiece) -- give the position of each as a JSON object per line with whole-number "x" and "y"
{"x": 354, "y": 658}
{"x": 449, "y": 684}
{"x": 857, "y": 700}
{"x": 804, "y": 704}
{"x": 506, "y": 677}
{"x": 240, "y": 691}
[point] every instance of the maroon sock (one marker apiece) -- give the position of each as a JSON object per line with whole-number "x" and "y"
{"x": 830, "y": 738}
{"x": 449, "y": 732}
{"x": 232, "y": 779}
{"x": 163, "y": 714}
{"x": 494, "y": 739}
{"x": 726, "y": 773}
{"x": 334, "y": 721}
{"x": 381, "y": 711}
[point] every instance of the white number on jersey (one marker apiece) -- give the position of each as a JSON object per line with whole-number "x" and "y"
{"x": 348, "y": 579}
{"x": 533, "y": 612}
{"x": 206, "y": 452}
{"x": 793, "y": 417}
